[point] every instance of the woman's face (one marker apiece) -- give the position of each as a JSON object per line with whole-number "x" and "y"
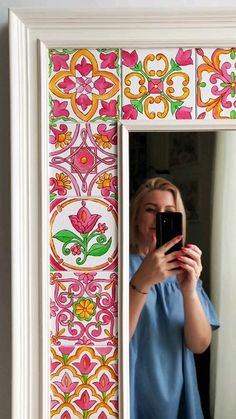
{"x": 152, "y": 202}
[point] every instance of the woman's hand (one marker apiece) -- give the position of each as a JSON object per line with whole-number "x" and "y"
{"x": 191, "y": 267}
{"x": 156, "y": 265}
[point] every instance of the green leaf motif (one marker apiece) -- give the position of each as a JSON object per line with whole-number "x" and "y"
{"x": 175, "y": 106}
{"x": 138, "y": 105}
{"x": 52, "y": 196}
{"x": 232, "y": 55}
{"x": 65, "y": 236}
{"x": 233, "y": 114}
{"x": 174, "y": 65}
{"x": 98, "y": 249}
{"x": 137, "y": 67}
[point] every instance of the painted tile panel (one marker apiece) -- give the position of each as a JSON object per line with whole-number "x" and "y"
{"x": 83, "y": 308}
{"x": 158, "y": 84}
{"x": 84, "y": 382}
{"x": 83, "y": 160}
{"x": 216, "y": 83}
{"x": 84, "y": 84}
{"x": 83, "y": 234}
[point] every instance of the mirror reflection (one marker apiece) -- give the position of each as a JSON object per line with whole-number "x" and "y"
{"x": 171, "y": 314}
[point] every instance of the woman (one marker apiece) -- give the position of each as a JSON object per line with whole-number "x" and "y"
{"x": 171, "y": 317}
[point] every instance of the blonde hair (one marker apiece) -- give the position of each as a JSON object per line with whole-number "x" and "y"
{"x": 152, "y": 184}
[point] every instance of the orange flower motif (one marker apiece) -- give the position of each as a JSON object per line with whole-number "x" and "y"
{"x": 84, "y": 308}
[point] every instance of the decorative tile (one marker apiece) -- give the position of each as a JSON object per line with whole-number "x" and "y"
{"x": 83, "y": 234}
{"x": 84, "y": 84}
{"x": 83, "y": 308}
{"x": 216, "y": 83}
{"x": 83, "y": 160}
{"x": 158, "y": 84}
{"x": 84, "y": 382}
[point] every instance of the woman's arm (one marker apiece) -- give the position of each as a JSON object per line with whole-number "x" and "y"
{"x": 155, "y": 267}
{"x": 197, "y": 330}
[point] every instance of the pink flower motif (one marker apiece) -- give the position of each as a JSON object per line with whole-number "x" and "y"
{"x": 84, "y": 101}
{"x": 102, "y": 228}
{"x": 183, "y": 113}
{"x": 129, "y": 59}
{"x": 66, "y": 350}
{"x": 53, "y": 308}
{"x": 84, "y": 341}
{"x": 102, "y": 416}
{"x": 85, "y": 366}
{"x": 59, "y": 108}
{"x": 111, "y": 133}
{"x": 84, "y": 221}
{"x": 129, "y": 112}
{"x": 87, "y": 277}
{"x": 108, "y": 108}
{"x": 59, "y": 61}
{"x": 102, "y": 85}
{"x": 103, "y": 350}
{"x": 202, "y": 115}
{"x": 61, "y": 136}
{"x": 66, "y": 415}
{"x": 103, "y": 384}
{"x": 84, "y": 68}
{"x": 53, "y": 403}
{"x": 84, "y": 84}
{"x": 66, "y": 385}
{"x": 75, "y": 249}
{"x": 184, "y": 57}
{"x": 155, "y": 86}
{"x": 108, "y": 60}
{"x": 54, "y": 365}
{"x": 67, "y": 84}
{"x": 84, "y": 402}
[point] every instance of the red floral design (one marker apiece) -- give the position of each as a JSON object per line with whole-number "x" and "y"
{"x": 59, "y": 108}
{"x": 108, "y": 108}
{"x": 102, "y": 228}
{"x": 108, "y": 60}
{"x": 155, "y": 86}
{"x": 184, "y": 57}
{"x": 84, "y": 221}
{"x": 129, "y": 112}
{"x": 60, "y": 61}
{"x": 183, "y": 113}
{"x": 129, "y": 59}
{"x": 67, "y": 84}
{"x": 84, "y": 402}
{"x": 84, "y": 68}
{"x": 85, "y": 366}
{"x": 84, "y": 102}
{"x": 75, "y": 249}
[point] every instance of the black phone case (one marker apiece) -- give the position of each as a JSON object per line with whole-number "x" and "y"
{"x": 168, "y": 226}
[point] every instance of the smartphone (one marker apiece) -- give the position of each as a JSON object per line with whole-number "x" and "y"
{"x": 168, "y": 226}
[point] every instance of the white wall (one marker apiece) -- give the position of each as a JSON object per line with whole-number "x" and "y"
{"x": 5, "y": 297}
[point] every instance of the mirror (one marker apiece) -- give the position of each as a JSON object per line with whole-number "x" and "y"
{"x": 196, "y": 162}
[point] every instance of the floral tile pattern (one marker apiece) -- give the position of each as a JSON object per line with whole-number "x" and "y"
{"x": 83, "y": 160}
{"x": 84, "y": 84}
{"x": 84, "y": 382}
{"x": 83, "y": 308}
{"x": 216, "y": 83}
{"x": 158, "y": 84}
{"x": 83, "y": 234}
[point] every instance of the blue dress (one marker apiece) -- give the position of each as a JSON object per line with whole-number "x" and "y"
{"x": 163, "y": 382}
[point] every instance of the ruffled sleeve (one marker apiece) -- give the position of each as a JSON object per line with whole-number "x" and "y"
{"x": 208, "y": 307}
